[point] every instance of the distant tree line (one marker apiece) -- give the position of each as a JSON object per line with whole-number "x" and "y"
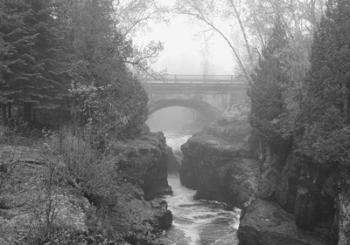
{"x": 67, "y": 58}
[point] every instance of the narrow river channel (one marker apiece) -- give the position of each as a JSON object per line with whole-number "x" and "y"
{"x": 197, "y": 222}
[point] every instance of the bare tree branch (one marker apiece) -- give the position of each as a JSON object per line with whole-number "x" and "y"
{"x": 200, "y": 16}
{"x": 244, "y": 33}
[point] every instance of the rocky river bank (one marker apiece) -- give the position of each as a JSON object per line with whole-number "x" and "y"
{"x": 285, "y": 198}
{"x": 132, "y": 215}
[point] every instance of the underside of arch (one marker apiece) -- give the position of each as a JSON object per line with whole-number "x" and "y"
{"x": 201, "y": 106}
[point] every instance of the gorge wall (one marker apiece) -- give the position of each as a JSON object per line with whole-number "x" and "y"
{"x": 219, "y": 168}
{"x": 285, "y": 197}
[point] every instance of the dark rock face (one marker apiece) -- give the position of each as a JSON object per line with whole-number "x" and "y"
{"x": 304, "y": 189}
{"x": 218, "y": 172}
{"x": 270, "y": 172}
{"x": 173, "y": 161}
{"x": 165, "y": 220}
{"x": 220, "y": 169}
{"x": 204, "y": 153}
{"x": 144, "y": 162}
{"x": 286, "y": 198}
{"x": 266, "y": 223}
{"x": 141, "y": 167}
{"x": 300, "y": 186}
{"x": 287, "y": 184}
{"x": 308, "y": 191}
{"x": 344, "y": 215}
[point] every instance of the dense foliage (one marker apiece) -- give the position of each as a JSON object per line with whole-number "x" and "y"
{"x": 268, "y": 82}
{"x": 64, "y": 64}
{"x": 32, "y": 71}
{"x": 320, "y": 124}
{"x": 67, "y": 57}
{"x": 325, "y": 111}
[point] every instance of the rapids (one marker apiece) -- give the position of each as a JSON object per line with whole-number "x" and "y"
{"x": 197, "y": 222}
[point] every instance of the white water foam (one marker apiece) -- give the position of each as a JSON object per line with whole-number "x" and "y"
{"x": 197, "y": 222}
{"x": 175, "y": 140}
{"x": 194, "y": 217}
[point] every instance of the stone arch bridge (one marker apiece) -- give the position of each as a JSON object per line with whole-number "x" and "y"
{"x": 210, "y": 95}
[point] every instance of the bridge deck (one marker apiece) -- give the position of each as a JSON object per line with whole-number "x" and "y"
{"x": 192, "y": 79}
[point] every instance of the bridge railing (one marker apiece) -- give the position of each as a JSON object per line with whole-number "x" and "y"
{"x": 184, "y": 78}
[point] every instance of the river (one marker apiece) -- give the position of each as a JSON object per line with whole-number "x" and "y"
{"x": 197, "y": 222}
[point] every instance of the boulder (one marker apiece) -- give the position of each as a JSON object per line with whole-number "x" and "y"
{"x": 140, "y": 167}
{"x": 204, "y": 153}
{"x": 143, "y": 161}
{"x": 307, "y": 190}
{"x": 300, "y": 186}
{"x": 163, "y": 218}
{"x": 219, "y": 169}
{"x": 235, "y": 183}
{"x": 266, "y": 223}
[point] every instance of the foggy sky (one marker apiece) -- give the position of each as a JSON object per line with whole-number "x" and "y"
{"x": 183, "y": 47}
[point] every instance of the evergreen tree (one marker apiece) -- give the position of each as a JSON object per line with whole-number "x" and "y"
{"x": 325, "y": 111}
{"x": 100, "y": 52}
{"x": 51, "y": 46}
{"x": 32, "y": 74}
{"x": 266, "y": 92}
{"x": 328, "y": 83}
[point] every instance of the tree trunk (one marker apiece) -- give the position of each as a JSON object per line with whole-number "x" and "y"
{"x": 345, "y": 102}
{"x": 9, "y": 111}
{"x": 34, "y": 116}
{"x": 27, "y": 112}
{"x": 244, "y": 33}
{"x": 3, "y": 114}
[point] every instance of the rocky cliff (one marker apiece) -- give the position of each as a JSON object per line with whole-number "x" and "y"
{"x": 286, "y": 198}
{"x": 32, "y": 202}
{"x": 299, "y": 187}
{"x": 219, "y": 170}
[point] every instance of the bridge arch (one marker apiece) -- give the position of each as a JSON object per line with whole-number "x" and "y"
{"x": 200, "y": 106}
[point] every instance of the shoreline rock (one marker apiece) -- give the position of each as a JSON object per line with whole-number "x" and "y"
{"x": 218, "y": 163}
{"x": 144, "y": 162}
{"x": 284, "y": 200}
{"x": 219, "y": 171}
{"x": 173, "y": 160}
{"x": 265, "y": 223}
{"x": 132, "y": 212}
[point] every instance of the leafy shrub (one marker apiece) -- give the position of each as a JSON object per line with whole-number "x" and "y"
{"x": 86, "y": 166}
{"x": 110, "y": 110}
{"x": 327, "y": 140}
